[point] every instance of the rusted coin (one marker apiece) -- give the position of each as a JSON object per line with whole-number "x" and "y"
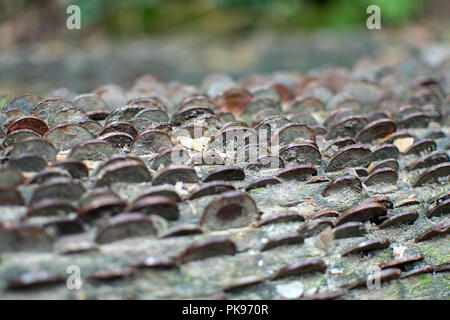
{"x": 251, "y": 152}
{"x": 207, "y": 247}
{"x": 51, "y": 207}
{"x": 165, "y": 191}
{"x": 24, "y": 103}
{"x": 67, "y": 136}
{"x": 433, "y": 174}
{"x": 76, "y": 168}
{"x": 303, "y": 117}
{"x": 151, "y": 142}
{"x": 400, "y": 262}
{"x": 89, "y": 102}
{"x": 355, "y": 155}
{"x": 445, "y": 267}
{"x": 119, "y": 126}
{"x": 174, "y": 173}
{"x": 49, "y": 173}
{"x": 385, "y": 201}
{"x": 312, "y": 228}
{"x": 434, "y": 134}
{"x": 362, "y": 212}
{"x": 242, "y": 282}
{"x": 381, "y": 176}
{"x": 325, "y": 213}
{"x": 334, "y": 145}
{"x": 262, "y": 182}
{"x": 28, "y": 163}
{"x": 292, "y": 132}
{"x": 270, "y": 161}
{"x": 130, "y": 171}
{"x": 299, "y": 172}
{"x": 233, "y": 139}
{"x": 67, "y": 115}
{"x": 17, "y": 136}
{"x": 301, "y": 267}
{"x": 341, "y": 185}
{"x": 148, "y": 102}
{"x": 308, "y": 103}
{"x": 349, "y": 230}
{"x": 159, "y": 205}
{"x": 232, "y": 209}
{"x": 367, "y": 245}
{"x": 347, "y": 127}
{"x": 417, "y": 271}
{"x": 429, "y": 160}
{"x": 189, "y": 113}
{"x": 119, "y": 140}
{"x": 405, "y": 217}
{"x": 59, "y": 188}
{"x": 421, "y": 146}
{"x": 210, "y": 188}
{"x": 377, "y": 129}
{"x": 123, "y": 113}
{"x": 182, "y": 230}
{"x": 281, "y": 217}
{"x": 301, "y": 152}
{"x": 117, "y": 158}
{"x": 233, "y": 100}
{"x": 94, "y": 150}
{"x": 125, "y": 226}
{"x": 10, "y": 176}
{"x": 387, "y": 163}
{"x": 282, "y": 239}
{"x": 385, "y": 151}
{"x": 153, "y": 114}
{"x": 101, "y": 208}
{"x": 143, "y": 123}
{"x": 438, "y": 230}
{"x": 34, "y": 147}
{"x": 226, "y": 173}
{"x": 441, "y": 208}
{"x": 10, "y": 196}
{"x": 170, "y": 156}
{"x": 30, "y": 123}
{"x": 94, "y": 127}
{"x": 407, "y": 202}
{"x": 384, "y": 275}
{"x": 65, "y": 226}
{"x": 112, "y": 274}
{"x": 269, "y": 125}
{"x": 414, "y": 120}
{"x": 49, "y": 107}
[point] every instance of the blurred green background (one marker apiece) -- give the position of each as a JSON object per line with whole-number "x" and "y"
{"x": 147, "y": 17}
{"x": 187, "y": 39}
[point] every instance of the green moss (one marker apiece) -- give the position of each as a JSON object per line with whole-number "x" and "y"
{"x": 425, "y": 278}
{"x": 436, "y": 252}
{"x": 3, "y": 101}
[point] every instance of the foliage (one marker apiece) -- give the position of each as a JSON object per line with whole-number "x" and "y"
{"x": 118, "y": 17}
